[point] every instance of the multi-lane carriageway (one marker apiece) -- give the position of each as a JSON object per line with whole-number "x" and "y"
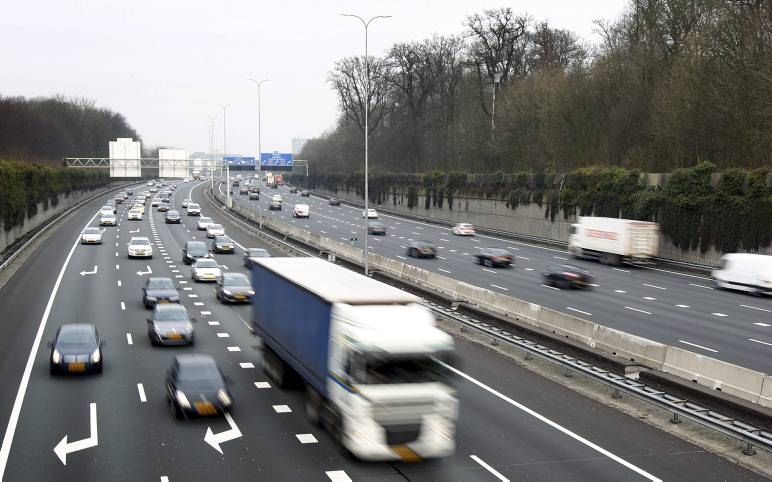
{"x": 513, "y": 425}
{"x": 672, "y": 308}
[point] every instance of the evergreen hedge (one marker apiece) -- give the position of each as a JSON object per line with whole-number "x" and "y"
{"x": 23, "y": 186}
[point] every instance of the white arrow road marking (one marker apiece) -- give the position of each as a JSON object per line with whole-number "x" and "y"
{"x": 215, "y": 439}
{"x": 149, "y": 271}
{"x": 63, "y": 448}
{"x": 135, "y": 231}
{"x": 84, "y": 273}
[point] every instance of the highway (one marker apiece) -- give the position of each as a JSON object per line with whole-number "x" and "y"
{"x": 513, "y": 425}
{"x": 672, "y": 308}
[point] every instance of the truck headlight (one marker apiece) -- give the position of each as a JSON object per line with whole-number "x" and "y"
{"x": 182, "y": 399}
{"x": 56, "y": 357}
{"x": 96, "y": 356}
{"x": 224, "y": 398}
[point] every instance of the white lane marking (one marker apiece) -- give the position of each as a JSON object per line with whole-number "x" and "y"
{"x": 465, "y": 254}
{"x": 701, "y": 286}
{"x": 649, "y": 298}
{"x": 552, "y": 424}
{"x": 117, "y": 266}
{"x": 164, "y": 478}
{"x": 337, "y": 476}
{"x": 698, "y": 346}
{"x": 443, "y": 270}
{"x": 578, "y": 311}
{"x": 754, "y": 308}
{"x": 183, "y": 282}
{"x": 247, "y": 365}
{"x": 123, "y": 306}
{"x": 187, "y": 288}
{"x": 116, "y": 254}
{"x": 206, "y": 313}
{"x": 551, "y": 287}
{"x": 620, "y": 269}
{"x": 141, "y": 390}
{"x": 401, "y": 257}
{"x": 620, "y": 291}
{"x": 489, "y": 468}
{"x": 500, "y": 287}
{"x": 445, "y": 240}
{"x": 683, "y": 306}
{"x": 128, "y": 339}
{"x": 719, "y": 314}
{"x": 13, "y": 420}
{"x": 639, "y": 311}
{"x": 180, "y": 276}
{"x": 192, "y": 295}
{"x": 440, "y": 257}
{"x": 521, "y": 257}
{"x": 213, "y": 323}
{"x": 234, "y": 348}
{"x": 198, "y": 303}
{"x": 528, "y": 269}
{"x": 306, "y": 438}
{"x": 489, "y": 270}
{"x": 282, "y": 408}
{"x": 765, "y": 325}
{"x": 654, "y": 286}
{"x": 759, "y": 341}
{"x": 560, "y": 257}
{"x": 119, "y": 282}
{"x": 262, "y": 385}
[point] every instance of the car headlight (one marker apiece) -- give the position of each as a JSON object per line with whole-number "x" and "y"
{"x": 182, "y": 399}
{"x": 227, "y": 292}
{"x": 56, "y": 357}
{"x": 96, "y": 356}
{"x": 224, "y": 398}
{"x": 250, "y": 292}
{"x": 189, "y": 328}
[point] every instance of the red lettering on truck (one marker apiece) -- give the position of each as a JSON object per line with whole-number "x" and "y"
{"x": 595, "y": 233}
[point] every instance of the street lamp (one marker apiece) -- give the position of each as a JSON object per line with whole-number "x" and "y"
{"x": 210, "y": 164}
{"x": 259, "y": 166}
{"x": 496, "y": 80}
{"x": 225, "y": 153}
{"x": 366, "y": 25}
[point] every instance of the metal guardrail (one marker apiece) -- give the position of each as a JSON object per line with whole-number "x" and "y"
{"x": 750, "y": 435}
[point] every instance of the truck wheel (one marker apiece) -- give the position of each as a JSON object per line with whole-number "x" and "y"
{"x": 314, "y": 406}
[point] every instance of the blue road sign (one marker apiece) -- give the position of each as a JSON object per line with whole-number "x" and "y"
{"x": 239, "y": 161}
{"x": 276, "y": 160}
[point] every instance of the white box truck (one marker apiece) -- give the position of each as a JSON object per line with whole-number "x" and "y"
{"x": 370, "y": 357}
{"x": 614, "y": 241}
{"x": 744, "y": 272}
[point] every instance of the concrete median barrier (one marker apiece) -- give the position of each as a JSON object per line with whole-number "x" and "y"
{"x": 765, "y": 397}
{"x": 718, "y": 375}
{"x": 634, "y": 348}
{"x": 567, "y": 326}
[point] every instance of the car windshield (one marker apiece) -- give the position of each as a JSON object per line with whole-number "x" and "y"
{"x": 376, "y": 224}
{"x": 172, "y": 313}
{"x": 192, "y": 206}
{"x": 206, "y": 263}
{"x": 199, "y": 375}
{"x": 140, "y": 242}
{"x": 91, "y": 231}
{"x": 375, "y": 370}
{"x": 79, "y": 336}
{"x": 172, "y": 213}
{"x": 235, "y": 279}
{"x": 204, "y": 220}
{"x": 215, "y": 227}
{"x": 223, "y": 239}
{"x": 160, "y": 284}
{"x": 496, "y": 252}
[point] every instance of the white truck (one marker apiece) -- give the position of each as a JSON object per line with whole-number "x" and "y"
{"x": 614, "y": 241}
{"x": 370, "y": 357}
{"x": 744, "y": 272}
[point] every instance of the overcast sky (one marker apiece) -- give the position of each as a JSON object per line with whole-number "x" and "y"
{"x": 167, "y": 64}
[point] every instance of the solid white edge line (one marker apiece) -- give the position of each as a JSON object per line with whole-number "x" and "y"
{"x": 697, "y": 346}
{"x": 552, "y": 424}
{"x": 639, "y": 311}
{"x": 578, "y": 311}
{"x": 13, "y": 420}
{"x": 490, "y": 469}
{"x": 759, "y": 341}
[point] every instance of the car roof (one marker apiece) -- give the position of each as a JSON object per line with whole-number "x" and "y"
{"x": 158, "y": 278}
{"x": 234, "y": 275}
{"x": 222, "y": 238}
{"x": 138, "y": 238}
{"x": 169, "y": 307}
{"x": 77, "y": 328}
{"x": 194, "y": 360}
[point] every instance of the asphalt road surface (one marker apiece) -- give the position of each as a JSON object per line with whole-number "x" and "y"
{"x": 513, "y": 424}
{"x": 672, "y": 308}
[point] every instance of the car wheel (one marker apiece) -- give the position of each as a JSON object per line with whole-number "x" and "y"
{"x": 413, "y": 253}
{"x": 564, "y": 284}
{"x": 489, "y": 263}
{"x": 53, "y": 370}
{"x": 176, "y": 412}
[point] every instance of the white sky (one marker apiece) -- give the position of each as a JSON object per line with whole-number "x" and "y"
{"x": 167, "y": 64}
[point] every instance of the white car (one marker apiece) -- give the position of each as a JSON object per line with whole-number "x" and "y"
{"x": 204, "y": 222}
{"x": 214, "y": 230}
{"x": 91, "y": 236}
{"x": 107, "y": 219}
{"x": 205, "y": 269}
{"x": 371, "y": 214}
{"x": 140, "y": 247}
{"x": 134, "y": 215}
{"x": 150, "y": 183}
{"x": 185, "y": 202}
{"x": 106, "y": 210}
{"x": 139, "y": 207}
{"x": 194, "y": 209}
{"x": 463, "y": 229}
{"x": 301, "y": 211}
{"x": 155, "y": 202}
{"x": 276, "y": 197}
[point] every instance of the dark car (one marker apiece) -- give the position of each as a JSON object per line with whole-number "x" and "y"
{"x": 567, "y": 276}
{"x": 334, "y": 201}
{"x": 163, "y": 208}
{"x": 196, "y": 386}
{"x": 254, "y": 253}
{"x": 130, "y": 192}
{"x": 118, "y": 199}
{"x": 166, "y": 199}
{"x": 421, "y": 249}
{"x": 305, "y": 194}
{"x": 223, "y": 244}
{"x": 76, "y": 349}
{"x": 234, "y": 288}
{"x": 376, "y": 227}
{"x": 254, "y": 195}
{"x": 159, "y": 290}
{"x": 494, "y": 257}
{"x": 194, "y": 250}
{"x": 170, "y": 325}
{"x": 275, "y": 205}
{"x": 173, "y": 217}
{"x": 294, "y": 190}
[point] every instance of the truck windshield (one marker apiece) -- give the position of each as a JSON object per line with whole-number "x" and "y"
{"x": 371, "y": 370}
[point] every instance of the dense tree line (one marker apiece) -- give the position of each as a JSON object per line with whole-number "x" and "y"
{"x": 673, "y": 83}
{"x": 44, "y": 130}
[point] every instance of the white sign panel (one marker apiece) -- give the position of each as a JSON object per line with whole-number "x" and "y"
{"x": 125, "y": 157}
{"x": 172, "y": 163}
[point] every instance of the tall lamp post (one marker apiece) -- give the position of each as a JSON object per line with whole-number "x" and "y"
{"x": 366, "y": 25}
{"x": 496, "y": 80}
{"x": 259, "y": 167}
{"x": 225, "y": 153}
{"x": 210, "y": 166}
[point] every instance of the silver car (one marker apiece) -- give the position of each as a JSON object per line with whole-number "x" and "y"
{"x": 91, "y": 236}
{"x": 214, "y": 230}
{"x": 204, "y": 223}
{"x": 205, "y": 269}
